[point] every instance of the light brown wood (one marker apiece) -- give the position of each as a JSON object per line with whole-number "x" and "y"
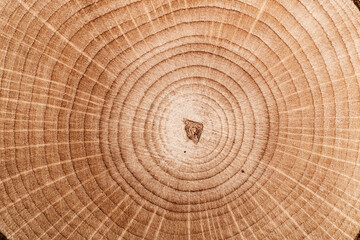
{"x": 93, "y": 140}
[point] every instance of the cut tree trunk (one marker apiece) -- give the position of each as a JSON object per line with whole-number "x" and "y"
{"x": 184, "y": 119}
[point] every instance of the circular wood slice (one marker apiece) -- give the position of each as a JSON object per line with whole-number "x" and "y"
{"x": 184, "y": 119}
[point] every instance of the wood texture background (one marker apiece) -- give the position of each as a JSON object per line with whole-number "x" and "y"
{"x": 93, "y": 99}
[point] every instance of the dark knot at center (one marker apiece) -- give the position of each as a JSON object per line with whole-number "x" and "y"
{"x": 193, "y": 130}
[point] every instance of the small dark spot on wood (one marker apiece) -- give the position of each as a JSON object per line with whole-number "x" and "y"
{"x": 357, "y": 3}
{"x": 193, "y": 130}
{"x": 184, "y": 151}
{"x": 2, "y": 237}
{"x": 242, "y": 171}
{"x": 357, "y": 236}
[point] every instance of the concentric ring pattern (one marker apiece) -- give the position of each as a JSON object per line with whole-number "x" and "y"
{"x": 94, "y": 98}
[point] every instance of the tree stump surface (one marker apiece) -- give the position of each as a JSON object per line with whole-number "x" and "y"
{"x": 201, "y": 119}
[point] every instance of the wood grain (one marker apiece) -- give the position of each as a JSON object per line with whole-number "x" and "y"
{"x": 93, "y": 99}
